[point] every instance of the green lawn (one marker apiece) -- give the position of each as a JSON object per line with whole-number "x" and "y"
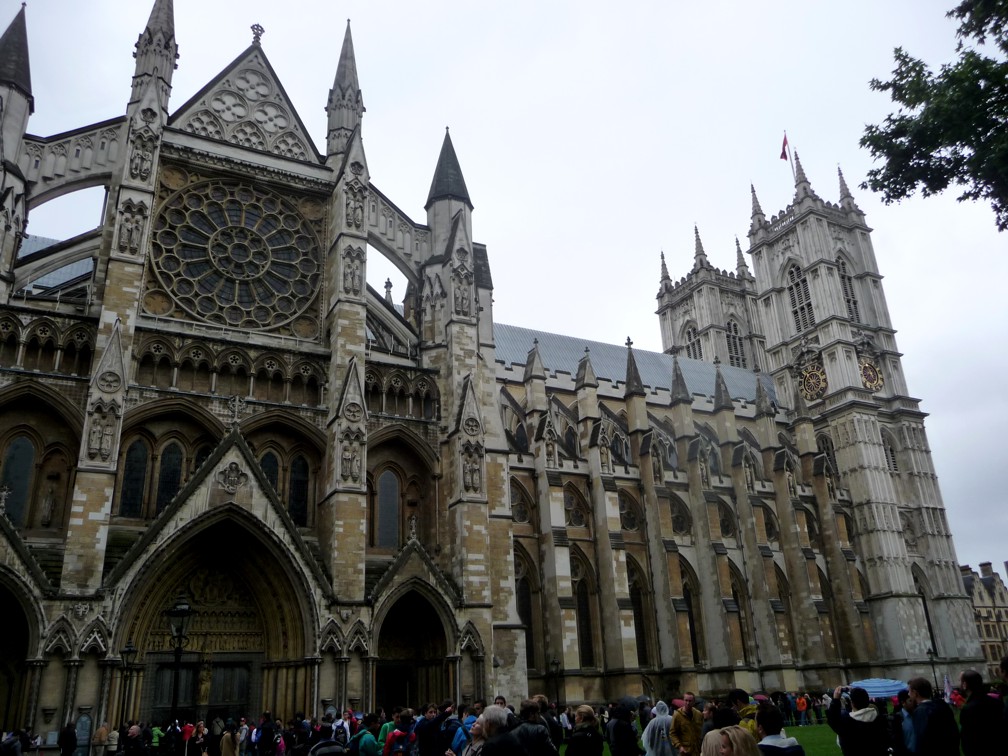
{"x": 817, "y": 740}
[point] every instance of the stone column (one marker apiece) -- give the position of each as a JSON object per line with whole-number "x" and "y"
{"x": 70, "y": 692}
{"x": 36, "y": 666}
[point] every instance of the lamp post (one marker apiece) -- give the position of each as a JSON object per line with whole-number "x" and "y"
{"x": 178, "y": 620}
{"x": 931, "y": 658}
{"x": 128, "y": 654}
{"x": 555, "y": 669}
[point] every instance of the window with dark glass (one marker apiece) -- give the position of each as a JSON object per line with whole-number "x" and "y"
{"x": 271, "y": 469}
{"x": 134, "y": 480}
{"x": 170, "y": 477}
{"x": 524, "y": 601}
{"x": 387, "y": 515}
{"x": 298, "y": 497}
{"x": 18, "y": 466}
{"x": 586, "y": 645}
{"x": 800, "y": 299}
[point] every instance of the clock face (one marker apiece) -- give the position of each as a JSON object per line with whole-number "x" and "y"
{"x": 813, "y": 382}
{"x": 871, "y": 378}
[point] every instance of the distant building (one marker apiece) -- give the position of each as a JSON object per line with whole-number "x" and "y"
{"x": 373, "y": 502}
{"x": 990, "y": 609}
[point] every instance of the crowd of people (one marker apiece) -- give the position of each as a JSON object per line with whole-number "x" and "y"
{"x": 920, "y": 723}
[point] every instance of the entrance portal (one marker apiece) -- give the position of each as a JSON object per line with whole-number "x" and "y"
{"x": 13, "y": 665}
{"x": 412, "y": 667}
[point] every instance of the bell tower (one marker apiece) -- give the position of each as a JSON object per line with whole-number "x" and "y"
{"x": 831, "y": 344}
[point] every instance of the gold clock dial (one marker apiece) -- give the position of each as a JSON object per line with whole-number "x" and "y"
{"x": 871, "y": 378}
{"x": 813, "y": 382}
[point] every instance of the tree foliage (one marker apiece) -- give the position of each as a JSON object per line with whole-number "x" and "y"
{"x": 951, "y": 127}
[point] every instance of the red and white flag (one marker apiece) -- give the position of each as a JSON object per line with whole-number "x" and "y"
{"x": 784, "y": 149}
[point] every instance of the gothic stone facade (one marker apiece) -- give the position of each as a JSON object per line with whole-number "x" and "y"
{"x": 371, "y": 504}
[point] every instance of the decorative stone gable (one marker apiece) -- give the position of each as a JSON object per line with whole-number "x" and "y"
{"x": 246, "y": 105}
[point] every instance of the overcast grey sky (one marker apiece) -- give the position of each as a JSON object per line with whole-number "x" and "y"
{"x": 592, "y": 137}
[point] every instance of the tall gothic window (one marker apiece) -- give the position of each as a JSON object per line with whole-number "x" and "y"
{"x": 890, "y": 453}
{"x": 297, "y": 503}
{"x": 847, "y": 285}
{"x": 694, "y": 350}
{"x": 18, "y": 466}
{"x": 386, "y": 521}
{"x": 583, "y": 610}
{"x": 271, "y": 469}
{"x": 736, "y": 352}
{"x": 134, "y": 480}
{"x": 638, "y": 602}
{"x": 170, "y": 476}
{"x": 801, "y": 300}
{"x": 525, "y": 606}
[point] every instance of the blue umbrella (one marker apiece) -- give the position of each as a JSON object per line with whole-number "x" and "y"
{"x": 878, "y": 687}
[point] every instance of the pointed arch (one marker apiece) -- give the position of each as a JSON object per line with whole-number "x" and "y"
{"x": 799, "y": 298}
{"x": 60, "y": 637}
{"x": 331, "y": 638}
{"x": 690, "y": 606}
{"x": 528, "y": 601}
{"x": 890, "y": 448}
{"x": 470, "y": 640}
{"x": 95, "y": 638}
{"x": 426, "y": 590}
{"x": 642, "y": 606}
{"x": 577, "y": 513}
{"x": 735, "y": 341}
{"x": 690, "y": 339}
{"x": 848, "y": 286}
{"x": 409, "y": 437}
{"x": 523, "y": 508}
{"x": 26, "y": 596}
{"x": 584, "y": 585}
{"x": 740, "y": 602}
{"x": 357, "y": 639}
{"x": 142, "y": 414}
{"x": 70, "y": 413}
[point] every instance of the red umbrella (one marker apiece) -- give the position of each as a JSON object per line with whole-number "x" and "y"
{"x": 678, "y": 702}
{"x": 761, "y": 697}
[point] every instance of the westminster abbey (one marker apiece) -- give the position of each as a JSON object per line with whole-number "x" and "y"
{"x": 206, "y": 413}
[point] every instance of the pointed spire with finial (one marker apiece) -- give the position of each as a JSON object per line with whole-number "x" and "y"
{"x": 680, "y": 392}
{"x": 758, "y": 218}
{"x": 803, "y": 188}
{"x": 764, "y": 407}
{"x": 533, "y": 363}
{"x": 585, "y": 373}
{"x": 156, "y": 52}
{"x": 664, "y": 268}
{"x": 722, "y": 397}
{"x": 846, "y": 198}
{"x": 448, "y": 182}
{"x": 699, "y": 256}
{"x": 346, "y": 103}
{"x": 741, "y": 268}
{"x": 800, "y": 408}
{"x": 634, "y": 385}
{"x": 15, "y": 70}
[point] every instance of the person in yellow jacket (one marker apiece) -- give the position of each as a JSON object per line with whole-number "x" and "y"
{"x": 739, "y": 700}
{"x": 687, "y": 722}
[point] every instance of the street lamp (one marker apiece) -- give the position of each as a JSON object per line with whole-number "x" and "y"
{"x": 178, "y": 620}
{"x": 128, "y": 654}
{"x": 931, "y": 655}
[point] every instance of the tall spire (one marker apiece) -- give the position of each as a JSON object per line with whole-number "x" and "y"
{"x": 741, "y": 269}
{"x": 448, "y": 182}
{"x": 634, "y": 384}
{"x": 699, "y": 256}
{"x": 846, "y": 198}
{"x": 664, "y": 268}
{"x": 758, "y": 218}
{"x": 722, "y": 397}
{"x": 680, "y": 392}
{"x": 802, "y": 186}
{"x": 156, "y": 53}
{"x": 585, "y": 373}
{"x": 14, "y": 68}
{"x": 346, "y": 103}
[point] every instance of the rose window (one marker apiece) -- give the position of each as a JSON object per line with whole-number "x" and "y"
{"x": 236, "y": 255}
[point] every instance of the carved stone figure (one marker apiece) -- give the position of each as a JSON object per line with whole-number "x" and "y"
{"x": 355, "y": 466}
{"x": 412, "y": 526}
{"x": 232, "y": 477}
{"x": 106, "y": 439}
{"x": 345, "y": 462}
{"x": 604, "y": 456}
{"x": 94, "y": 436}
{"x": 791, "y": 486}
{"x": 48, "y": 504}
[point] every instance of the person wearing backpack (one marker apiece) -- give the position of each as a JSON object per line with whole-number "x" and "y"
{"x": 454, "y": 736}
{"x": 365, "y": 742}
{"x": 400, "y": 741}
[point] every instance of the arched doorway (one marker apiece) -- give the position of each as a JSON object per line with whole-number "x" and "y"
{"x": 13, "y": 661}
{"x": 248, "y": 635}
{"x": 412, "y": 668}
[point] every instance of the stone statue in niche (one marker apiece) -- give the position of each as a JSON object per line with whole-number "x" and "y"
{"x": 704, "y": 471}
{"x": 48, "y": 504}
{"x": 830, "y": 485}
{"x": 791, "y": 485}
{"x": 345, "y": 458}
{"x": 750, "y": 483}
{"x": 141, "y": 159}
{"x": 94, "y": 436}
{"x": 106, "y": 440}
{"x": 412, "y": 526}
{"x": 354, "y": 210}
{"x": 472, "y": 476}
{"x": 656, "y": 468}
{"x": 550, "y": 453}
{"x": 355, "y": 466}
{"x": 604, "y": 456}
{"x": 232, "y": 477}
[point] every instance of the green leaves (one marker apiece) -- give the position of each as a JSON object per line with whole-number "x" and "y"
{"x": 950, "y": 127}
